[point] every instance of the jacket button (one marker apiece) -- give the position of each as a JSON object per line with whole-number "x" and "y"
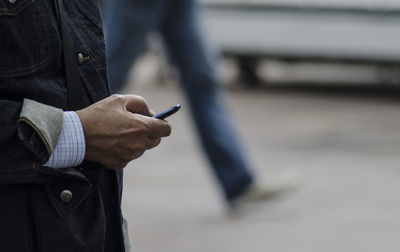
{"x": 66, "y": 196}
{"x": 81, "y": 59}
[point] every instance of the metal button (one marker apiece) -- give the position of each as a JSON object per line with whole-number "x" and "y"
{"x": 12, "y": 1}
{"x": 66, "y": 196}
{"x": 81, "y": 59}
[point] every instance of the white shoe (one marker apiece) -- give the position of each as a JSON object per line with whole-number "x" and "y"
{"x": 262, "y": 191}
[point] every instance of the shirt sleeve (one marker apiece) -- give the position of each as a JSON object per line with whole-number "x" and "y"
{"x": 70, "y": 149}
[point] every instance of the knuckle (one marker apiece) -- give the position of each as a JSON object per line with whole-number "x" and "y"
{"x": 141, "y": 99}
{"x": 134, "y": 152}
{"x": 143, "y": 128}
{"x": 140, "y": 153}
{"x": 117, "y": 97}
{"x": 127, "y": 157}
{"x": 154, "y": 143}
{"x": 137, "y": 154}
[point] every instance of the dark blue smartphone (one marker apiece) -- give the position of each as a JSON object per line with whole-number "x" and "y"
{"x": 172, "y": 110}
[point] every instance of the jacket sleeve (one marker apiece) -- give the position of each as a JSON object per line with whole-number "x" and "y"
{"x": 28, "y": 136}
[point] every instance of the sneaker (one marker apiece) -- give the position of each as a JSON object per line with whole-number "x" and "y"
{"x": 265, "y": 190}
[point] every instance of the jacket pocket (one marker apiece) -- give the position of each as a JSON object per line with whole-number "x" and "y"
{"x": 85, "y": 20}
{"x": 23, "y": 37}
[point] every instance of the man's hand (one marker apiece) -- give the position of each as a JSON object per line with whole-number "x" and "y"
{"x": 119, "y": 129}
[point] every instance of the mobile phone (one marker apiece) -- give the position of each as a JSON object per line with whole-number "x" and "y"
{"x": 172, "y": 110}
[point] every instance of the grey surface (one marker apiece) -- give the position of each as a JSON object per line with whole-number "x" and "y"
{"x": 345, "y": 147}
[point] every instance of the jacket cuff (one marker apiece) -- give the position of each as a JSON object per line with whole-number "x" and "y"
{"x": 40, "y": 127}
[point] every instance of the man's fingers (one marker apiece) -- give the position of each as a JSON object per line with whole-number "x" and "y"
{"x": 137, "y": 104}
{"x": 153, "y": 143}
{"x": 158, "y": 128}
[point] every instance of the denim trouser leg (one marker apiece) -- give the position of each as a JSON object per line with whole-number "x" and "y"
{"x": 127, "y": 24}
{"x": 196, "y": 67}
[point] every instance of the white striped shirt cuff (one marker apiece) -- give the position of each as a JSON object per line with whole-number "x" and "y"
{"x": 70, "y": 149}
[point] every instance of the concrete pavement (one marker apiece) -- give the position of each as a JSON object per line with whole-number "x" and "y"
{"x": 346, "y": 148}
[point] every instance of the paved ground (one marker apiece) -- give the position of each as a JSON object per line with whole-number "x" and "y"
{"x": 344, "y": 145}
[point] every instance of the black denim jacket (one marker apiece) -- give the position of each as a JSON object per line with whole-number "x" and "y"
{"x": 33, "y": 216}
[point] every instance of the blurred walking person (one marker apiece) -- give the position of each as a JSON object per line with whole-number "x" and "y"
{"x": 127, "y": 24}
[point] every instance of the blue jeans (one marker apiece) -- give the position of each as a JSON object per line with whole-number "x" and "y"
{"x": 128, "y": 22}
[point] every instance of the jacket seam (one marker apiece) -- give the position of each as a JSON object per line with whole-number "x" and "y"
{"x": 15, "y": 10}
{"x": 31, "y": 69}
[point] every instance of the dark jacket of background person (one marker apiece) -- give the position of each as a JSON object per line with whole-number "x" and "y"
{"x": 46, "y": 209}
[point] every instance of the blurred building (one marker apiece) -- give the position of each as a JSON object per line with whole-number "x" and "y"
{"x": 344, "y": 31}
